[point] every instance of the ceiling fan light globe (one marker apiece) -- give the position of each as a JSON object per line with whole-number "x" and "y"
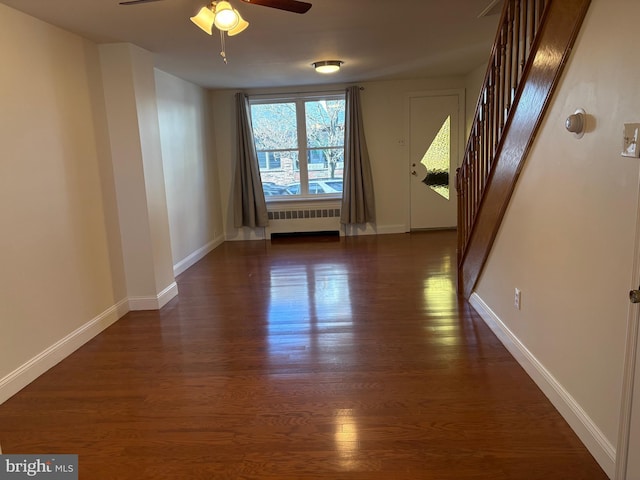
{"x": 226, "y": 18}
{"x": 241, "y": 27}
{"x": 204, "y": 19}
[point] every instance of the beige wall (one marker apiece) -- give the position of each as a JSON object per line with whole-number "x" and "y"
{"x": 134, "y": 133}
{"x": 190, "y": 173}
{"x": 60, "y": 268}
{"x": 567, "y": 240}
{"x": 82, "y": 169}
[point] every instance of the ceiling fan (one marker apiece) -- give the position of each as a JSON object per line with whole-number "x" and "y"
{"x": 220, "y": 14}
{"x": 294, "y": 6}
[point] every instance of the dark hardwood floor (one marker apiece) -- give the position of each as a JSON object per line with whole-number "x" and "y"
{"x": 343, "y": 358}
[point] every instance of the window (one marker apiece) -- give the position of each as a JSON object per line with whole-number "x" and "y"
{"x": 310, "y": 128}
{"x": 437, "y": 161}
{"x": 269, "y": 160}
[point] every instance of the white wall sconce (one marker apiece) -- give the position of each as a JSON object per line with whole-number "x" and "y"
{"x": 576, "y": 123}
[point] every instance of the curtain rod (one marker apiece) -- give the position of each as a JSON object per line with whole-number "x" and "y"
{"x": 314, "y": 92}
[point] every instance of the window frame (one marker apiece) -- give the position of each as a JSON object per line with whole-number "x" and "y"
{"x": 300, "y": 100}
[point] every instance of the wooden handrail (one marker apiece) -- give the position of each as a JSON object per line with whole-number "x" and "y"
{"x": 532, "y": 45}
{"x": 511, "y": 51}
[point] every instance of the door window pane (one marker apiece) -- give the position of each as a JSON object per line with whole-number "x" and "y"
{"x": 437, "y": 161}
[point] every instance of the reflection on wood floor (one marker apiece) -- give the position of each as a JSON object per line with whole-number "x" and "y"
{"x": 342, "y": 359}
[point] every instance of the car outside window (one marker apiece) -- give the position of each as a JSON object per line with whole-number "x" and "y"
{"x": 300, "y": 145}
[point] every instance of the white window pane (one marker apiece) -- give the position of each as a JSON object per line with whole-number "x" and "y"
{"x": 274, "y": 126}
{"x": 284, "y": 180}
{"x": 325, "y": 123}
{"x": 326, "y": 168}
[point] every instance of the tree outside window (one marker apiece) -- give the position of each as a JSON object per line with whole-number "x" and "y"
{"x": 288, "y": 130}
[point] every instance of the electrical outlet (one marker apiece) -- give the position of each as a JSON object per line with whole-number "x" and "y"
{"x": 517, "y": 298}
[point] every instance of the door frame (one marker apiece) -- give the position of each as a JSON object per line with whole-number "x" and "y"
{"x": 462, "y": 136}
{"x": 631, "y": 359}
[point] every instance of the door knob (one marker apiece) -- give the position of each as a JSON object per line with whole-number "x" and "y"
{"x": 413, "y": 172}
{"x": 634, "y": 296}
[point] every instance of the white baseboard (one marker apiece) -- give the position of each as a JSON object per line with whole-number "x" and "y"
{"x": 588, "y": 432}
{"x": 32, "y": 369}
{"x": 245, "y": 233}
{"x": 51, "y": 356}
{"x": 154, "y": 302}
{"x": 371, "y": 229}
{"x": 354, "y": 230}
{"x": 391, "y": 229}
{"x": 196, "y": 256}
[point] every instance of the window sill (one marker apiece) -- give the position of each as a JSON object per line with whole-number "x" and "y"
{"x": 328, "y": 200}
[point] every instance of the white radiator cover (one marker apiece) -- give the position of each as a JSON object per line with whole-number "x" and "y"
{"x": 302, "y": 219}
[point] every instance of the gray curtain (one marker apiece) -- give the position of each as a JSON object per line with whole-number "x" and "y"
{"x": 249, "y": 205}
{"x": 358, "y": 204}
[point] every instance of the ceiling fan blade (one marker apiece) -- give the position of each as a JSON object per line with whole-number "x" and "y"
{"x": 294, "y": 6}
{"x": 136, "y": 2}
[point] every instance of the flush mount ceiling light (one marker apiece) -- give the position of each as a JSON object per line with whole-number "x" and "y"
{"x": 327, "y": 66}
{"x": 224, "y": 17}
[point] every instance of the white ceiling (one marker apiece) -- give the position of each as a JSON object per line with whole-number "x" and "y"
{"x": 376, "y": 39}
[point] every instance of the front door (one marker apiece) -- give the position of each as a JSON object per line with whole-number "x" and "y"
{"x": 434, "y": 154}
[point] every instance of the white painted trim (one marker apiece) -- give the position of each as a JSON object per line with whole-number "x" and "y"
{"x": 195, "y": 257}
{"x": 357, "y": 229}
{"x": 389, "y": 229}
{"x": 630, "y": 358}
{"x": 154, "y": 302}
{"x": 626, "y": 407}
{"x": 245, "y": 233}
{"x": 595, "y": 441}
{"x": 51, "y": 356}
{"x": 167, "y": 294}
{"x": 371, "y": 229}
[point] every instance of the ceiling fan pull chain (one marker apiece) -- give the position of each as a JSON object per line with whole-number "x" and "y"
{"x": 223, "y": 52}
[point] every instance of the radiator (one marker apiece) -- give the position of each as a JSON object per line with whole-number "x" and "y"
{"x": 303, "y": 219}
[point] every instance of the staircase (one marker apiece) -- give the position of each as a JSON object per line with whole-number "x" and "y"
{"x": 532, "y": 45}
